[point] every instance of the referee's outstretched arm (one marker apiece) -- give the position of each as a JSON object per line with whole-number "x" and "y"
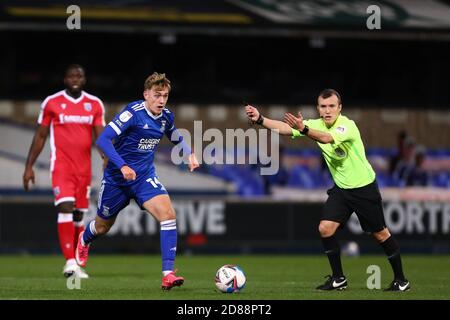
{"x": 255, "y": 116}
{"x": 299, "y": 128}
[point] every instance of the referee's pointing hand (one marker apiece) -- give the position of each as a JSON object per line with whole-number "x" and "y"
{"x": 293, "y": 121}
{"x": 252, "y": 112}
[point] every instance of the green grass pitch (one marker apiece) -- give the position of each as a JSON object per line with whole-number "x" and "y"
{"x": 273, "y": 277}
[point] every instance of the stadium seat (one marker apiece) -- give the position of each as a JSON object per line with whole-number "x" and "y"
{"x": 247, "y": 181}
{"x": 384, "y": 179}
{"x": 327, "y": 180}
{"x": 382, "y": 152}
{"x": 303, "y": 177}
{"x": 440, "y": 152}
{"x": 441, "y": 180}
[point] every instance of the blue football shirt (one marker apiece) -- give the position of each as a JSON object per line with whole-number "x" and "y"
{"x": 138, "y": 135}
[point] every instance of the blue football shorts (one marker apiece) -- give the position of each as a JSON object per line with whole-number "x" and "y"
{"x": 113, "y": 198}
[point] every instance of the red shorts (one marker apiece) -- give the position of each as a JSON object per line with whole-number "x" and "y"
{"x": 72, "y": 188}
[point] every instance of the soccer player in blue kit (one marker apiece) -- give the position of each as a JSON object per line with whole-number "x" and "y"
{"x": 130, "y": 173}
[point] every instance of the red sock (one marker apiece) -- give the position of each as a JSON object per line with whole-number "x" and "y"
{"x": 66, "y": 233}
{"x": 79, "y": 227}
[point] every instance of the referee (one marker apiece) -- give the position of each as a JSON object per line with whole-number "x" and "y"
{"x": 355, "y": 188}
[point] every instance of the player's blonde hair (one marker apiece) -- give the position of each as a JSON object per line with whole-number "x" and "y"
{"x": 157, "y": 80}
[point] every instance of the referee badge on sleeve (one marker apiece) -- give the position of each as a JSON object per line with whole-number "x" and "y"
{"x": 341, "y": 129}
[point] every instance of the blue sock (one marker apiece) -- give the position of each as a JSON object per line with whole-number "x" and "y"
{"x": 168, "y": 236}
{"x": 90, "y": 233}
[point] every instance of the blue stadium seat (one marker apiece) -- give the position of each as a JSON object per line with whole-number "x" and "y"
{"x": 327, "y": 180}
{"x": 382, "y": 152}
{"x": 441, "y": 180}
{"x": 384, "y": 179}
{"x": 303, "y": 177}
{"x": 226, "y": 172}
{"x": 250, "y": 188}
{"x": 248, "y": 182}
{"x": 442, "y": 152}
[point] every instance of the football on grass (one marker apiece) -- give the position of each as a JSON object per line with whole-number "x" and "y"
{"x": 230, "y": 278}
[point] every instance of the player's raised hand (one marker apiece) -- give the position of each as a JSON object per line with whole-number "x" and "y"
{"x": 193, "y": 162}
{"x": 28, "y": 175}
{"x": 128, "y": 173}
{"x": 252, "y": 112}
{"x": 293, "y": 121}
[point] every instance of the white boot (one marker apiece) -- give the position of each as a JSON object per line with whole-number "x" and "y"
{"x": 70, "y": 268}
{"x": 81, "y": 273}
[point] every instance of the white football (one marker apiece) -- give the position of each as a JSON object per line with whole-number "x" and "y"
{"x": 230, "y": 278}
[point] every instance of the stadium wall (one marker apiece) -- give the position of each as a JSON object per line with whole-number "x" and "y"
{"x": 217, "y": 225}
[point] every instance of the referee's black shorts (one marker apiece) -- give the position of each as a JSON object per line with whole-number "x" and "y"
{"x": 364, "y": 201}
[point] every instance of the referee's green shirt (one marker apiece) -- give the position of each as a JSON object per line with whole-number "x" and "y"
{"x": 345, "y": 157}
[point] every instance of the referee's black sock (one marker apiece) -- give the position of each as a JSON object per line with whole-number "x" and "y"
{"x": 333, "y": 251}
{"x": 392, "y": 250}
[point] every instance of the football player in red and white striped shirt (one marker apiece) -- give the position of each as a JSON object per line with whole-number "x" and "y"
{"x": 69, "y": 116}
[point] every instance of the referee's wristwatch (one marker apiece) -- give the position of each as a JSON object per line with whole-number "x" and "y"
{"x": 305, "y": 130}
{"x": 260, "y": 119}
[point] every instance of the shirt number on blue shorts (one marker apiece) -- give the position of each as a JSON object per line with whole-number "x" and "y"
{"x": 155, "y": 182}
